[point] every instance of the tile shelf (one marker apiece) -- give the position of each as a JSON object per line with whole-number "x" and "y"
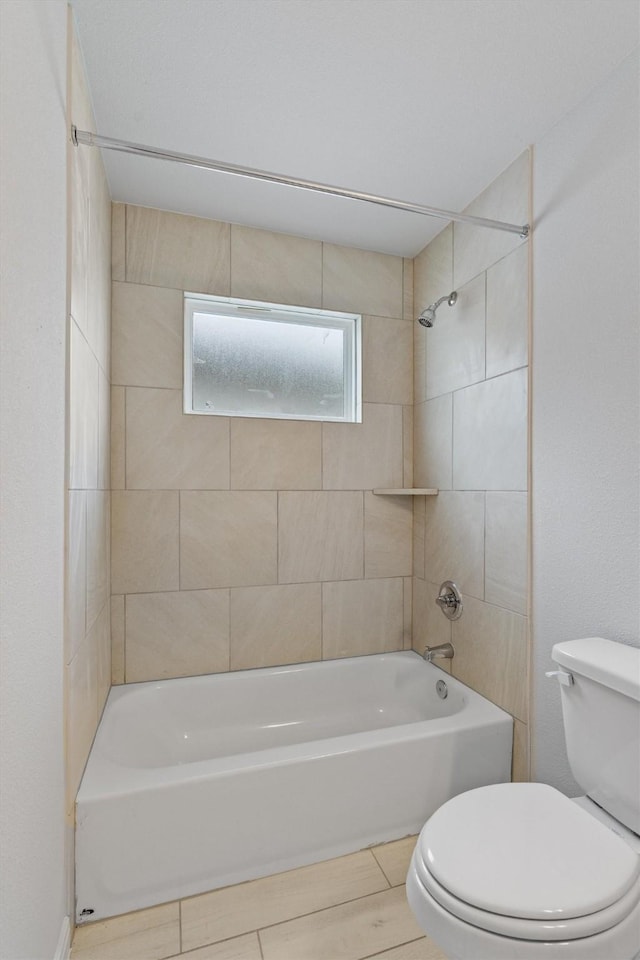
{"x": 406, "y": 491}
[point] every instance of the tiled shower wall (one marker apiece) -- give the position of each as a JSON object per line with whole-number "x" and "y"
{"x": 243, "y": 542}
{"x": 471, "y": 441}
{"x": 87, "y": 632}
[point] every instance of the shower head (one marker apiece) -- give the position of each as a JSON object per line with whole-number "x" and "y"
{"x": 427, "y": 316}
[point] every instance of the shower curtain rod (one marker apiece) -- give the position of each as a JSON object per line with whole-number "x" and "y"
{"x": 137, "y": 149}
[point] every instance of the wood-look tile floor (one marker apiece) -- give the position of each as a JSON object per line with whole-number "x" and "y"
{"x": 350, "y": 908}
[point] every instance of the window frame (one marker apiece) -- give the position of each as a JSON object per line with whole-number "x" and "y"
{"x": 349, "y": 323}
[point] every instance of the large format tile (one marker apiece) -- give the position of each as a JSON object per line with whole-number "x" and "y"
{"x": 117, "y": 437}
{"x": 387, "y": 362}
{"x": 81, "y": 712}
{"x": 361, "y": 281}
{"x": 152, "y": 934}
{"x": 76, "y": 572}
{"x": 491, "y": 655}
{"x": 260, "y": 903}
{"x": 102, "y": 642}
{"x": 507, "y": 199}
{"x": 430, "y": 626}
{"x": 144, "y": 541}
{"x": 361, "y": 456}
{"x": 346, "y": 932}
{"x": 407, "y": 445}
{"x": 275, "y": 454}
{"x": 520, "y": 772}
{"x": 275, "y": 625}
{"x": 117, "y": 639}
{"x": 388, "y": 523}
{"x": 227, "y": 539}
{"x": 418, "y": 536}
{"x": 104, "y": 431}
{"x": 407, "y": 289}
{"x": 275, "y": 267}
{"x": 173, "y": 250}
{"x": 79, "y": 234}
{"x": 433, "y": 271}
{"x": 508, "y": 313}
{"x": 422, "y": 949}
{"x": 433, "y": 443}
{"x": 83, "y": 413}
{"x": 98, "y": 552}
{"x": 320, "y": 536}
{"x": 394, "y": 859}
{"x": 362, "y": 616}
{"x": 454, "y": 540}
{"x": 146, "y": 336}
{"x": 176, "y": 634}
{"x": 171, "y": 450}
{"x": 506, "y": 551}
{"x": 455, "y": 354}
{"x": 117, "y": 241}
{"x": 99, "y": 263}
{"x": 490, "y": 434}
{"x": 419, "y": 363}
{"x": 246, "y": 947}
{"x": 432, "y": 279}
{"x": 407, "y": 592}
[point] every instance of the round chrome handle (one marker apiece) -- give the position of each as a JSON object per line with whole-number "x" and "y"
{"x": 449, "y": 600}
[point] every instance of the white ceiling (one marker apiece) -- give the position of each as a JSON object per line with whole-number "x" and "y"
{"x": 421, "y": 100}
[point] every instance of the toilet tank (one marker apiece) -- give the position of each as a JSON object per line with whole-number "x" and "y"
{"x": 601, "y": 712}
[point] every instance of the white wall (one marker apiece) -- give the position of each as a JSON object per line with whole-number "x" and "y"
{"x": 33, "y": 252}
{"x": 586, "y": 425}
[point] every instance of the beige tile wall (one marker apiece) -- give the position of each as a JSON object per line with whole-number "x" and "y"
{"x": 239, "y": 542}
{"x": 471, "y": 441}
{"x": 88, "y": 608}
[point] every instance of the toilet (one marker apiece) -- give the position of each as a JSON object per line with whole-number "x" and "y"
{"x": 517, "y": 871}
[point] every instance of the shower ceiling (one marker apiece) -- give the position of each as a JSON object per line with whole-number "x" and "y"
{"x": 422, "y": 100}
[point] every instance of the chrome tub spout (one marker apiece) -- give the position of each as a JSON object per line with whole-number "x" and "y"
{"x": 443, "y": 651}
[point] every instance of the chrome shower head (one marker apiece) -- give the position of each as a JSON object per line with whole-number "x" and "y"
{"x": 427, "y": 316}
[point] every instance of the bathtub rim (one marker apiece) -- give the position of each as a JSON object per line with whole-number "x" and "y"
{"x": 104, "y": 777}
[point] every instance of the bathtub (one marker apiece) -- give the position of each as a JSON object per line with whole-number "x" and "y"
{"x": 197, "y": 783}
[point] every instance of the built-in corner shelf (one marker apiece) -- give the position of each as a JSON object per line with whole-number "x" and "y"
{"x": 406, "y": 492}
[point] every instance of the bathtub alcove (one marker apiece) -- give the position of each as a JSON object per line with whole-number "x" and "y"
{"x": 198, "y": 783}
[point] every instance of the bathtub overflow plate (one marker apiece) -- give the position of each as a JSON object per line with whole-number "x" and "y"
{"x": 441, "y": 690}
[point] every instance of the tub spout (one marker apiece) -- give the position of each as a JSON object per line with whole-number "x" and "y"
{"x": 444, "y": 651}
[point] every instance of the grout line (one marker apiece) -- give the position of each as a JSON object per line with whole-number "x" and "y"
{"x": 124, "y": 639}
{"x": 485, "y": 323}
{"x": 229, "y": 629}
{"x": 299, "y": 916}
{"x": 260, "y": 944}
{"x": 381, "y": 868}
{"x": 484, "y": 546}
{"x": 321, "y": 620}
{"x": 124, "y": 438}
{"x": 180, "y": 925}
{"x": 405, "y": 943}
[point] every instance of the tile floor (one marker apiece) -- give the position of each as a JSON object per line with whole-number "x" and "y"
{"x": 350, "y": 908}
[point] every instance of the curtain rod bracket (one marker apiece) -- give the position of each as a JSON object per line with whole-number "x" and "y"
{"x": 140, "y": 150}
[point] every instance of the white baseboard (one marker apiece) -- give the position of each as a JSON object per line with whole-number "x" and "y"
{"x": 64, "y": 941}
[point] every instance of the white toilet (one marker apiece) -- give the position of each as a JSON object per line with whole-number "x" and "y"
{"x": 517, "y": 871}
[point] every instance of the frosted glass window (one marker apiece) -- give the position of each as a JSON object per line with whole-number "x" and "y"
{"x": 250, "y": 359}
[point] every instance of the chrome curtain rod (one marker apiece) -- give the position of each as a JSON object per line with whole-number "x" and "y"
{"x": 139, "y": 150}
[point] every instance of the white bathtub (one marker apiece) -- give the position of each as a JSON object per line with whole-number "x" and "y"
{"x": 197, "y": 783}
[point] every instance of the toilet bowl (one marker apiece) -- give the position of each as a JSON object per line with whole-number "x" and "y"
{"x": 517, "y": 871}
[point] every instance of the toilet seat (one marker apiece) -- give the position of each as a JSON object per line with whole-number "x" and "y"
{"x": 523, "y": 861}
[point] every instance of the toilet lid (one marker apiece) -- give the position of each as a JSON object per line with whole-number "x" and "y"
{"x": 524, "y": 850}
